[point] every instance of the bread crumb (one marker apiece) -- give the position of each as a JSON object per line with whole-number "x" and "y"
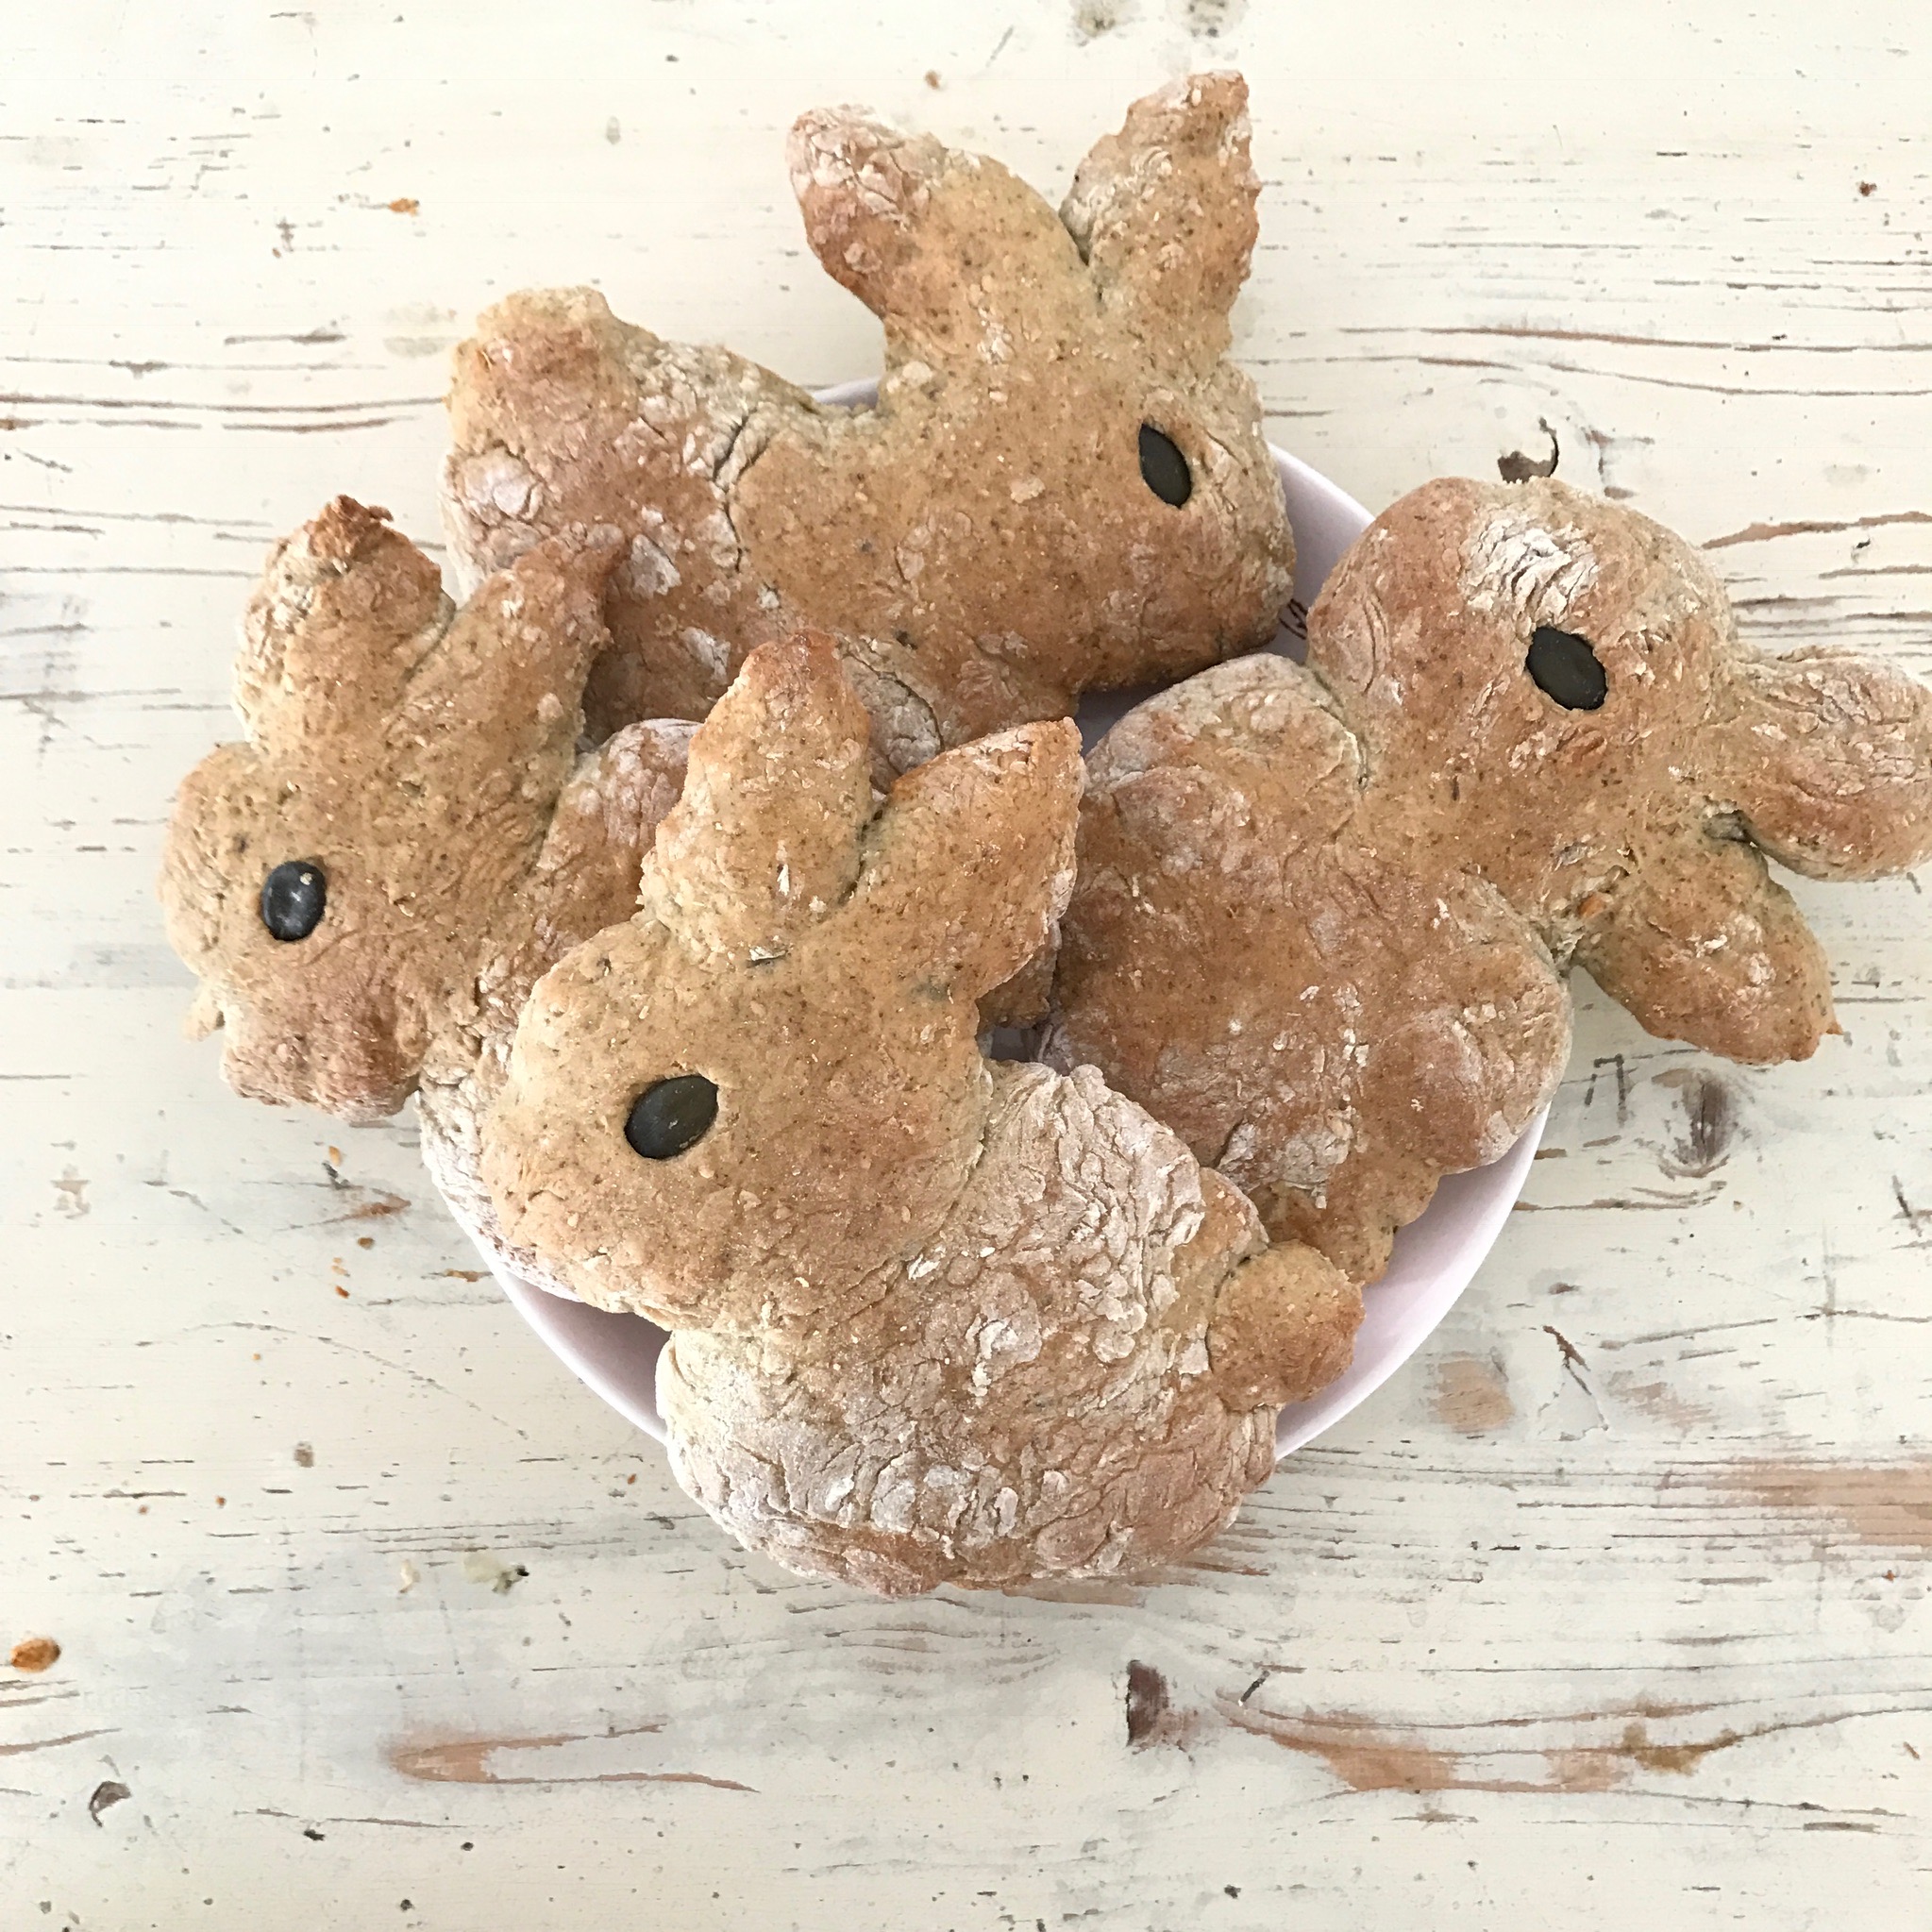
{"x": 35, "y": 1653}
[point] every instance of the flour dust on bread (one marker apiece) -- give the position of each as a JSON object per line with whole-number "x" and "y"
{"x": 368, "y": 886}
{"x": 932, "y": 1318}
{"x": 1064, "y": 487}
{"x": 1527, "y": 734}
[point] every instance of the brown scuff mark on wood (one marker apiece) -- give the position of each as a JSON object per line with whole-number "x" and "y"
{"x": 1657, "y": 1399}
{"x": 1662, "y": 1203}
{"x": 1362, "y": 1757}
{"x": 1470, "y": 1394}
{"x": 48, "y": 1743}
{"x": 1105, "y": 1592}
{"x": 378, "y": 1202}
{"x": 1367, "y": 1757}
{"x": 1765, "y": 532}
{"x": 466, "y": 1762}
{"x": 372, "y": 1203}
{"x": 1888, "y": 1504}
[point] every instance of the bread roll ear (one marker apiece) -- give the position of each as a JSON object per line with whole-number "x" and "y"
{"x": 778, "y": 790}
{"x": 345, "y": 612}
{"x": 1163, "y": 213}
{"x": 956, "y": 256}
{"x": 971, "y": 865}
{"x": 492, "y": 711}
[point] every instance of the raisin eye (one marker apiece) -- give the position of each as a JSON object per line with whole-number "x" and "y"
{"x": 1162, "y": 467}
{"x": 670, "y": 1116}
{"x": 1566, "y": 668}
{"x": 293, "y": 897}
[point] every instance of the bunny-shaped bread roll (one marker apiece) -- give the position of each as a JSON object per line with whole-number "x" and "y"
{"x": 369, "y": 886}
{"x": 1063, "y": 486}
{"x": 1553, "y": 688}
{"x": 932, "y": 1318}
{"x": 1526, "y": 734}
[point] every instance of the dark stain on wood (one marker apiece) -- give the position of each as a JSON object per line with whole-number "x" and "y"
{"x": 1710, "y": 1122}
{"x": 1615, "y": 1063}
{"x": 1146, "y": 1704}
{"x": 1517, "y": 468}
{"x": 108, "y": 1792}
{"x": 1573, "y": 1363}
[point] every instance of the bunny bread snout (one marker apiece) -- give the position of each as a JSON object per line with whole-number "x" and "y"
{"x": 932, "y": 1318}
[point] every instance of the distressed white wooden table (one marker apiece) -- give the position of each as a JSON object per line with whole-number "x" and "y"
{"x": 1610, "y": 1611}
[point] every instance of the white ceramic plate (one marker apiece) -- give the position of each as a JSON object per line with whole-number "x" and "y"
{"x": 1435, "y": 1257}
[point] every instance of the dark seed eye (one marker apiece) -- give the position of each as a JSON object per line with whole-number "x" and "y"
{"x": 1566, "y": 668}
{"x": 1162, "y": 467}
{"x": 671, "y": 1115}
{"x": 293, "y": 897}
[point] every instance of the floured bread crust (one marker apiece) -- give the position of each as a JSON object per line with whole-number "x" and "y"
{"x": 932, "y": 1320}
{"x": 983, "y": 541}
{"x": 1323, "y": 914}
{"x": 424, "y": 760}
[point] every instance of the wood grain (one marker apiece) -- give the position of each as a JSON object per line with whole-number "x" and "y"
{"x": 1611, "y": 1610}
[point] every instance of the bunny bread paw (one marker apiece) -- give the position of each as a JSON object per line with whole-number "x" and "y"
{"x": 1247, "y": 957}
